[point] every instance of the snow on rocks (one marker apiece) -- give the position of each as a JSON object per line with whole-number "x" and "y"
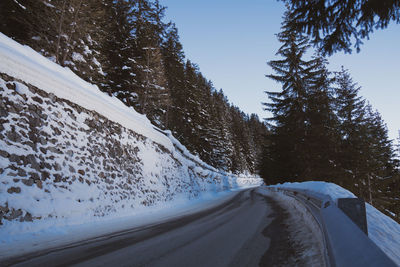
{"x": 383, "y": 230}
{"x": 60, "y": 160}
{"x": 72, "y": 155}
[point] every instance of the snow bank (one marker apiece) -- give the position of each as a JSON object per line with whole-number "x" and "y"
{"x": 247, "y": 181}
{"x": 330, "y": 189}
{"x": 304, "y": 229}
{"x": 383, "y": 230}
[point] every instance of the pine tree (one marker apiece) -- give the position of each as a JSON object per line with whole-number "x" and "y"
{"x": 155, "y": 96}
{"x": 173, "y": 59}
{"x": 221, "y": 138}
{"x": 59, "y": 30}
{"x": 149, "y": 29}
{"x": 367, "y": 159}
{"x": 321, "y": 137}
{"x": 258, "y": 136}
{"x": 351, "y": 115}
{"x": 380, "y": 165}
{"x": 18, "y": 21}
{"x": 286, "y": 158}
{"x": 87, "y": 35}
{"x": 117, "y": 52}
{"x": 198, "y": 92}
{"x": 333, "y": 25}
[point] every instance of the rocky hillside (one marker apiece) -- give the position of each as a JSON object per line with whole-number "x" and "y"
{"x": 59, "y": 159}
{"x": 56, "y": 152}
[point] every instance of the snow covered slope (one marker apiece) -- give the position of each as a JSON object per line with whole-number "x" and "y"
{"x": 70, "y": 154}
{"x": 384, "y": 231}
{"x": 24, "y": 63}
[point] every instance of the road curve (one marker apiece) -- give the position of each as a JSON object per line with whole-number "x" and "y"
{"x": 249, "y": 230}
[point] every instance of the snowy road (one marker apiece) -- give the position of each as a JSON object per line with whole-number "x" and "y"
{"x": 250, "y": 230}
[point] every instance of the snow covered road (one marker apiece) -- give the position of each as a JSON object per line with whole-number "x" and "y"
{"x": 248, "y": 230}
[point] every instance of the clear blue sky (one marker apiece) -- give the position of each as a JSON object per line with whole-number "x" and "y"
{"x": 232, "y": 40}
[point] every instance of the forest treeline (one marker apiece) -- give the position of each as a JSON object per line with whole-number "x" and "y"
{"x": 322, "y": 129}
{"x": 128, "y": 50}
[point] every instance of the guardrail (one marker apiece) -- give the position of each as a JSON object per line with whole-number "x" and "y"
{"x": 345, "y": 243}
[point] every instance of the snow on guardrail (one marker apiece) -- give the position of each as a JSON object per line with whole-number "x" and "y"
{"x": 346, "y": 244}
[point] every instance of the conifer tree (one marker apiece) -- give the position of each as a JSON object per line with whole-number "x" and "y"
{"x": 286, "y": 158}
{"x": 18, "y": 21}
{"x": 380, "y": 165}
{"x": 117, "y": 53}
{"x": 258, "y": 135}
{"x": 149, "y": 29}
{"x": 221, "y": 138}
{"x": 154, "y": 99}
{"x": 366, "y": 157}
{"x": 63, "y": 31}
{"x": 321, "y": 137}
{"x": 173, "y": 59}
{"x": 333, "y": 25}
{"x": 351, "y": 115}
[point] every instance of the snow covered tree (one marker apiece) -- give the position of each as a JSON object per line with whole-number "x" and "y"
{"x": 154, "y": 99}
{"x": 173, "y": 59}
{"x": 18, "y": 21}
{"x": 221, "y": 137}
{"x": 258, "y": 137}
{"x": 149, "y": 31}
{"x": 60, "y": 30}
{"x": 117, "y": 53}
{"x": 127, "y": 49}
{"x": 243, "y": 158}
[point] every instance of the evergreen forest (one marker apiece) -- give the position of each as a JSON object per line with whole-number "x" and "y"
{"x": 129, "y": 51}
{"x": 321, "y": 129}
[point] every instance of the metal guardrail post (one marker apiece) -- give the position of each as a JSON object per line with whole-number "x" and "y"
{"x": 354, "y": 208}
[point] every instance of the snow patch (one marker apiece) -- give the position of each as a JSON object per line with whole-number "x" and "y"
{"x": 21, "y": 88}
{"x": 78, "y": 57}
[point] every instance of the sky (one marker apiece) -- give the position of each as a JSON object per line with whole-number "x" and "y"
{"x": 232, "y": 40}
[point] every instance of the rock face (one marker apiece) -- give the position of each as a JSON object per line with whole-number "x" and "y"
{"x": 59, "y": 160}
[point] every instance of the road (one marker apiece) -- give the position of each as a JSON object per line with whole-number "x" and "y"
{"x": 249, "y": 230}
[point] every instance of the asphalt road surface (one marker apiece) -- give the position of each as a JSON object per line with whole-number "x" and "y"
{"x": 249, "y": 230}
